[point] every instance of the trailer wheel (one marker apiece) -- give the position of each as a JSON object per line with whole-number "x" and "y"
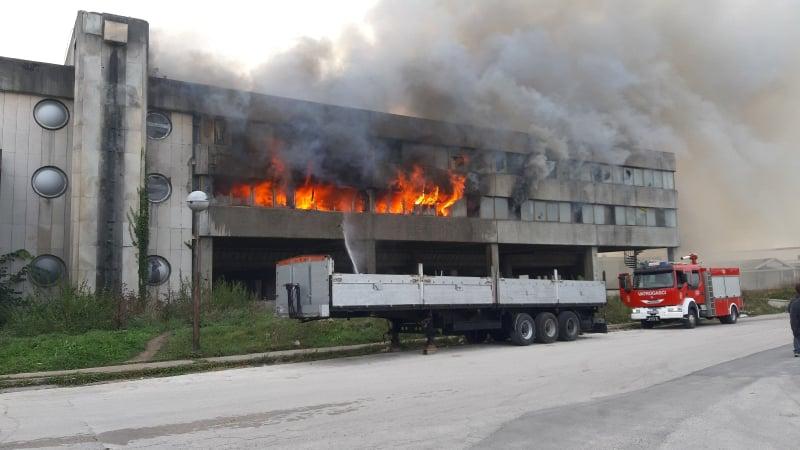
{"x": 475, "y": 336}
{"x": 690, "y": 321}
{"x": 648, "y": 325}
{"x": 546, "y": 328}
{"x": 523, "y": 329}
{"x": 569, "y": 327}
{"x": 732, "y": 317}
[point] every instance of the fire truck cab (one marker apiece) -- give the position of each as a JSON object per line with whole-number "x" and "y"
{"x": 681, "y": 291}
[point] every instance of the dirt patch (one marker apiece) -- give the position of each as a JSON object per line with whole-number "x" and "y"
{"x": 152, "y": 347}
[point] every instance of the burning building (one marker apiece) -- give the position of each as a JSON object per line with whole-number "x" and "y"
{"x": 84, "y": 144}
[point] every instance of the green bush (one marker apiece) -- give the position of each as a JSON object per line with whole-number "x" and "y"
{"x": 66, "y": 309}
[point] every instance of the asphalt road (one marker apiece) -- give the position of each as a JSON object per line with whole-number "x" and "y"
{"x": 717, "y": 386}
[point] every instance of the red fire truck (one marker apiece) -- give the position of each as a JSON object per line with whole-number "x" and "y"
{"x": 686, "y": 291}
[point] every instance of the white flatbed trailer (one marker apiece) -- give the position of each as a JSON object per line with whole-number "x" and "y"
{"x": 521, "y": 309}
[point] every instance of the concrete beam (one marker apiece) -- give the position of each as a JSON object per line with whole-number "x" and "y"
{"x": 31, "y": 77}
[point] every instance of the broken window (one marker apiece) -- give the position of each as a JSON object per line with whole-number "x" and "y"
{"x": 627, "y": 176}
{"x": 539, "y": 211}
{"x": 220, "y": 131}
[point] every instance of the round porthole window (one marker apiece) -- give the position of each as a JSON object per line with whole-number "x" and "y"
{"x": 158, "y": 125}
{"x": 158, "y": 187}
{"x": 46, "y": 270}
{"x": 158, "y": 270}
{"x": 51, "y": 114}
{"x": 49, "y": 182}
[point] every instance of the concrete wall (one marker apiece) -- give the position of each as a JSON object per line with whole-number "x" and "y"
{"x": 28, "y": 221}
{"x": 171, "y": 220}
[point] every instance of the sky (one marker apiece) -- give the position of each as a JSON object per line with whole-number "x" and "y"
{"x": 244, "y": 31}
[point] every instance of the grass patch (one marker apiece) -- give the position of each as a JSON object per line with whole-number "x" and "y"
{"x": 615, "y": 312}
{"x": 253, "y": 329}
{"x": 59, "y": 351}
{"x": 755, "y": 302}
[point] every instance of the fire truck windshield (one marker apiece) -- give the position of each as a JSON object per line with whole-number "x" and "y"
{"x": 653, "y": 280}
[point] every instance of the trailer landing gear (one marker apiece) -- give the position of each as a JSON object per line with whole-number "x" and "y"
{"x": 430, "y": 334}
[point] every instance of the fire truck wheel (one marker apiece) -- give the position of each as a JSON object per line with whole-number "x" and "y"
{"x": 475, "y": 336}
{"x": 546, "y": 328}
{"x": 732, "y": 318}
{"x": 691, "y": 319}
{"x": 522, "y": 329}
{"x": 647, "y": 325}
{"x": 569, "y": 327}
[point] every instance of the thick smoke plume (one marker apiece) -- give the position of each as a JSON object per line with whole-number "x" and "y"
{"x": 716, "y": 82}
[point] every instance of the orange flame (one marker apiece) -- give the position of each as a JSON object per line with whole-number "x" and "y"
{"x": 328, "y": 197}
{"x": 410, "y": 192}
{"x": 413, "y": 192}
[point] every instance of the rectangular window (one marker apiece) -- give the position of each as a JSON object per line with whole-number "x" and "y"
{"x": 552, "y": 212}
{"x": 648, "y": 177}
{"x": 552, "y": 168}
{"x": 627, "y": 176}
{"x": 515, "y": 162}
{"x": 526, "y": 210}
{"x": 619, "y": 215}
{"x": 658, "y": 179}
{"x": 641, "y": 216}
{"x": 669, "y": 180}
{"x": 540, "y": 211}
{"x": 651, "y": 217}
{"x": 600, "y": 214}
{"x": 487, "y": 208}
{"x": 585, "y": 172}
{"x": 500, "y": 162}
{"x": 616, "y": 174}
{"x": 501, "y": 208}
{"x": 630, "y": 213}
{"x": 670, "y": 218}
{"x": 606, "y": 174}
{"x": 564, "y": 212}
{"x": 459, "y": 159}
{"x": 473, "y": 206}
{"x": 220, "y": 131}
{"x": 660, "y": 217}
{"x": 597, "y": 173}
{"x": 638, "y": 177}
{"x": 588, "y": 213}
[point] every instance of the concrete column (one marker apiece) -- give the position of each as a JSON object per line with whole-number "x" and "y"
{"x": 671, "y": 253}
{"x": 107, "y": 169}
{"x": 493, "y": 265}
{"x": 370, "y": 257}
{"x": 591, "y": 266}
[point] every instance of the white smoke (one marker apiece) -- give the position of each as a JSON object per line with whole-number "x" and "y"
{"x": 716, "y": 81}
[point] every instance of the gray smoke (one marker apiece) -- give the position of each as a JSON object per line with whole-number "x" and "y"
{"x": 717, "y": 82}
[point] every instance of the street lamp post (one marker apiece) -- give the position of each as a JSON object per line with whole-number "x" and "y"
{"x": 197, "y": 202}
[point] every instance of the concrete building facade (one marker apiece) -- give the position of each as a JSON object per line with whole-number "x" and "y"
{"x": 80, "y": 142}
